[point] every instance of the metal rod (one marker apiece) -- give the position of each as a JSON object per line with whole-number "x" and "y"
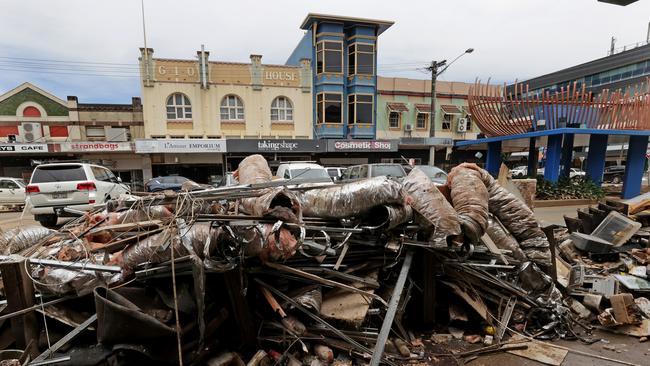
{"x": 69, "y": 265}
{"x": 68, "y": 337}
{"x": 392, "y": 310}
{"x": 34, "y": 307}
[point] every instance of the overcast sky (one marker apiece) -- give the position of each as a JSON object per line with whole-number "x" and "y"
{"x": 513, "y": 39}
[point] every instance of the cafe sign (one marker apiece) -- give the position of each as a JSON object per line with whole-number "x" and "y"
{"x": 22, "y": 148}
{"x": 361, "y": 145}
{"x": 180, "y": 146}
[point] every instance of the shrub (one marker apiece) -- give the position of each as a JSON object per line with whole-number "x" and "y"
{"x": 568, "y": 188}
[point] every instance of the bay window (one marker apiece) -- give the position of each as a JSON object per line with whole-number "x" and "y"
{"x": 360, "y": 108}
{"x": 329, "y": 107}
{"x": 361, "y": 59}
{"x": 329, "y": 57}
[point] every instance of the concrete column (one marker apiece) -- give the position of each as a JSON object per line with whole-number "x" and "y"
{"x": 147, "y": 172}
{"x": 553, "y": 154}
{"x": 567, "y": 155}
{"x": 432, "y": 155}
{"x": 596, "y": 158}
{"x": 635, "y": 166}
{"x": 493, "y": 159}
{"x": 532, "y": 158}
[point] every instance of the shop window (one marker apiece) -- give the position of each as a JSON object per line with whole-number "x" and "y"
{"x": 361, "y": 59}
{"x": 95, "y": 132}
{"x": 329, "y": 108}
{"x": 281, "y": 110}
{"x": 31, "y": 112}
{"x": 360, "y": 108}
{"x": 421, "y": 120}
{"x": 446, "y": 121}
{"x": 329, "y": 57}
{"x": 179, "y": 107}
{"x": 8, "y": 130}
{"x": 232, "y": 108}
{"x": 393, "y": 119}
{"x": 58, "y": 131}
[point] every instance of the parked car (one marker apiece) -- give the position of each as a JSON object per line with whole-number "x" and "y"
{"x": 228, "y": 180}
{"x": 172, "y": 182}
{"x": 519, "y": 171}
{"x": 336, "y": 173}
{"x": 79, "y": 186}
{"x": 437, "y": 175}
{"x": 12, "y": 192}
{"x": 614, "y": 174}
{"x": 575, "y": 172}
{"x": 374, "y": 170}
{"x": 303, "y": 171}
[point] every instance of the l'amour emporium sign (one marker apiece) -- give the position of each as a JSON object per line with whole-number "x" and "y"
{"x": 180, "y": 146}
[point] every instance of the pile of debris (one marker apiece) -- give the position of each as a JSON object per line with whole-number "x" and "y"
{"x": 289, "y": 272}
{"x": 604, "y": 264}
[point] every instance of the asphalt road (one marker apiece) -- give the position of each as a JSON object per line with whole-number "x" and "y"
{"x": 10, "y": 220}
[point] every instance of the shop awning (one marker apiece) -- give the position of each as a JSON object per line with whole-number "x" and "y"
{"x": 423, "y": 108}
{"x": 397, "y": 107}
{"x": 450, "y": 109}
{"x": 467, "y": 111}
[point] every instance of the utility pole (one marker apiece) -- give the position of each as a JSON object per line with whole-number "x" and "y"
{"x": 432, "y": 114}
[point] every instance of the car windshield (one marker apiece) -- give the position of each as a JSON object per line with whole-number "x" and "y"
{"x": 388, "y": 170}
{"x": 333, "y": 173}
{"x": 433, "y": 172}
{"x": 58, "y": 173}
{"x": 20, "y": 182}
{"x": 309, "y": 173}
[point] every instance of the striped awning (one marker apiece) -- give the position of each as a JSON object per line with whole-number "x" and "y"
{"x": 450, "y": 109}
{"x": 423, "y": 108}
{"x": 397, "y": 107}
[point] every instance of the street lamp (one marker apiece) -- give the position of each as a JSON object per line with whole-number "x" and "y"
{"x": 434, "y": 74}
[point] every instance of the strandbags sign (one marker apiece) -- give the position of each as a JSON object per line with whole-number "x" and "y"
{"x": 93, "y": 146}
{"x": 180, "y": 146}
{"x": 22, "y": 148}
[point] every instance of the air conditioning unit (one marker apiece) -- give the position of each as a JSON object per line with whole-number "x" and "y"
{"x": 31, "y": 132}
{"x": 118, "y": 134}
{"x": 408, "y": 127}
{"x": 462, "y": 125}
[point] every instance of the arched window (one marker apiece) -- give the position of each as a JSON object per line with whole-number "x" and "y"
{"x": 31, "y": 112}
{"x": 282, "y": 110}
{"x": 232, "y": 108}
{"x": 179, "y": 107}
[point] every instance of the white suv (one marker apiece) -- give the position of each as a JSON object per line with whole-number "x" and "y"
{"x": 78, "y": 186}
{"x": 303, "y": 171}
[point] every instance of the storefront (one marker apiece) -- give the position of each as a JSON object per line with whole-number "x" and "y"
{"x": 198, "y": 159}
{"x": 16, "y": 159}
{"x": 120, "y": 157}
{"x": 275, "y": 151}
{"x": 353, "y": 152}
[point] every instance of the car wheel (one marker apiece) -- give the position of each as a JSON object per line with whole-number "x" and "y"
{"x": 617, "y": 179}
{"x": 48, "y": 221}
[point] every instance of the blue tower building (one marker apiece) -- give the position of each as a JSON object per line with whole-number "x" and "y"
{"x": 343, "y": 54}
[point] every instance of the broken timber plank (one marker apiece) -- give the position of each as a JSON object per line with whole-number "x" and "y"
{"x": 24, "y": 327}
